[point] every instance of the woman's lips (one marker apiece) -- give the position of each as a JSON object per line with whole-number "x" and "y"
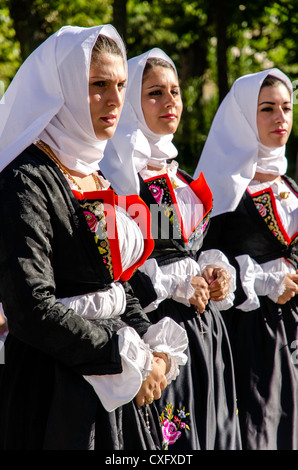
{"x": 280, "y": 131}
{"x": 109, "y": 119}
{"x": 169, "y": 116}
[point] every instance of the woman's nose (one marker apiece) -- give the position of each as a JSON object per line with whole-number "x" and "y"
{"x": 170, "y": 99}
{"x": 115, "y": 97}
{"x": 280, "y": 116}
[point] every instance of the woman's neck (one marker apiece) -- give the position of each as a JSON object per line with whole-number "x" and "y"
{"x": 83, "y": 182}
{"x": 158, "y": 170}
{"x": 263, "y": 177}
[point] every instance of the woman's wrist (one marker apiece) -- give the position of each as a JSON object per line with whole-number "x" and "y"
{"x": 165, "y": 358}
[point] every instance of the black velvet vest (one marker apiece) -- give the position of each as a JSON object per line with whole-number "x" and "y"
{"x": 171, "y": 241}
{"x": 255, "y": 228}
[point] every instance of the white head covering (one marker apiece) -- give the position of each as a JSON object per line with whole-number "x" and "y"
{"x": 233, "y": 151}
{"x": 48, "y": 98}
{"x": 134, "y": 145}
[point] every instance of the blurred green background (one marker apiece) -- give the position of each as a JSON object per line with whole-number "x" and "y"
{"x": 212, "y": 43}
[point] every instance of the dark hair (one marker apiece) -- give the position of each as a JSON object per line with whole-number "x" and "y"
{"x": 157, "y": 62}
{"x": 105, "y": 44}
{"x": 270, "y": 80}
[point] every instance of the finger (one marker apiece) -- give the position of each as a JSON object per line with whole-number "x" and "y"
{"x": 149, "y": 400}
{"x": 140, "y": 400}
{"x": 157, "y": 393}
{"x": 198, "y": 304}
{"x": 217, "y": 295}
{"x": 219, "y": 284}
{"x": 163, "y": 384}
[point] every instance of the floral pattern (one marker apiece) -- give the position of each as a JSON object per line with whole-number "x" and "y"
{"x": 162, "y": 195}
{"x": 91, "y": 221}
{"x": 264, "y": 206}
{"x": 172, "y": 424}
{"x": 95, "y": 218}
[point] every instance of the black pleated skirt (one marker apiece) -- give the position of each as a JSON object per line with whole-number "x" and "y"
{"x": 199, "y": 409}
{"x": 265, "y": 349}
{"x": 46, "y": 406}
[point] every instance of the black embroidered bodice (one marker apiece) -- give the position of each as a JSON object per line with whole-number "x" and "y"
{"x": 100, "y": 213}
{"x": 171, "y": 239}
{"x": 255, "y": 228}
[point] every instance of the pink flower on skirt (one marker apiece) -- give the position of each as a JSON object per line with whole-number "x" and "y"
{"x": 170, "y": 433}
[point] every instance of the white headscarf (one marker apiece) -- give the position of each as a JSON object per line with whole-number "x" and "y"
{"x": 134, "y": 145}
{"x": 233, "y": 151}
{"x": 48, "y": 98}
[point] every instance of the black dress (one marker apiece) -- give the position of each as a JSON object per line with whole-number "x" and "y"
{"x": 264, "y": 341}
{"x": 47, "y": 251}
{"x": 198, "y": 410}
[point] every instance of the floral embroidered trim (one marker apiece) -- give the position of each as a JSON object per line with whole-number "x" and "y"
{"x": 162, "y": 195}
{"x": 199, "y": 230}
{"x": 95, "y": 217}
{"x": 264, "y": 206}
{"x": 172, "y": 424}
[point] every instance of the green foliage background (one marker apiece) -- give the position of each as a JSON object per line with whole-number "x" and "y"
{"x": 212, "y": 43}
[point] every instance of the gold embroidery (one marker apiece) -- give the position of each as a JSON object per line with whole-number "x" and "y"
{"x": 94, "y": 214}
{"x": 264, "y": 206}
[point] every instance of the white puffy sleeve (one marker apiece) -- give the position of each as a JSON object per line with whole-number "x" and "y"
{"x": 136, "y": 357}
{"x": 168, "y": 337}
{"x": 168, "y": 283}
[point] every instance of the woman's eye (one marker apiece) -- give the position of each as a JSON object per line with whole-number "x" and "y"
{"x": 266, "y": 109}
{"x": 99, "y": 84}
{"x": 155, "y": 92}
{"x": 121, "y": 85}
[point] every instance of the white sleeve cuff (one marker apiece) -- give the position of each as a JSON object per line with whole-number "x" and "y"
{"x": 270, "y": 284}
{"x": 168, "y": 337}
{"x": 118, "y": 389}
{"x": 255, "y": 282}
{"x": 166, "y": 285}
{"x": 184, "y": 290}
{"x": 248, "y": 270}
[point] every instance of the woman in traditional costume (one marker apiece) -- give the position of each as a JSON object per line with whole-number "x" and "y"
{"x": 255, "y": 223}
{"x": 179, "y": 279}
{"x": 82, "y": 361}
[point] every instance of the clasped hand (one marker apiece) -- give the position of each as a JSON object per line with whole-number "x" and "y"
{"x": 154, "y": 383}
{"x": 291, "y": 288}
{"x": 214, "y": 285}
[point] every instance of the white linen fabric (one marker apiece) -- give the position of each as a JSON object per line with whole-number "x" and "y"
{"x": 52, "y": 75}
{"x": 134, "y": 145}
{"x": 233, "y": 151}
